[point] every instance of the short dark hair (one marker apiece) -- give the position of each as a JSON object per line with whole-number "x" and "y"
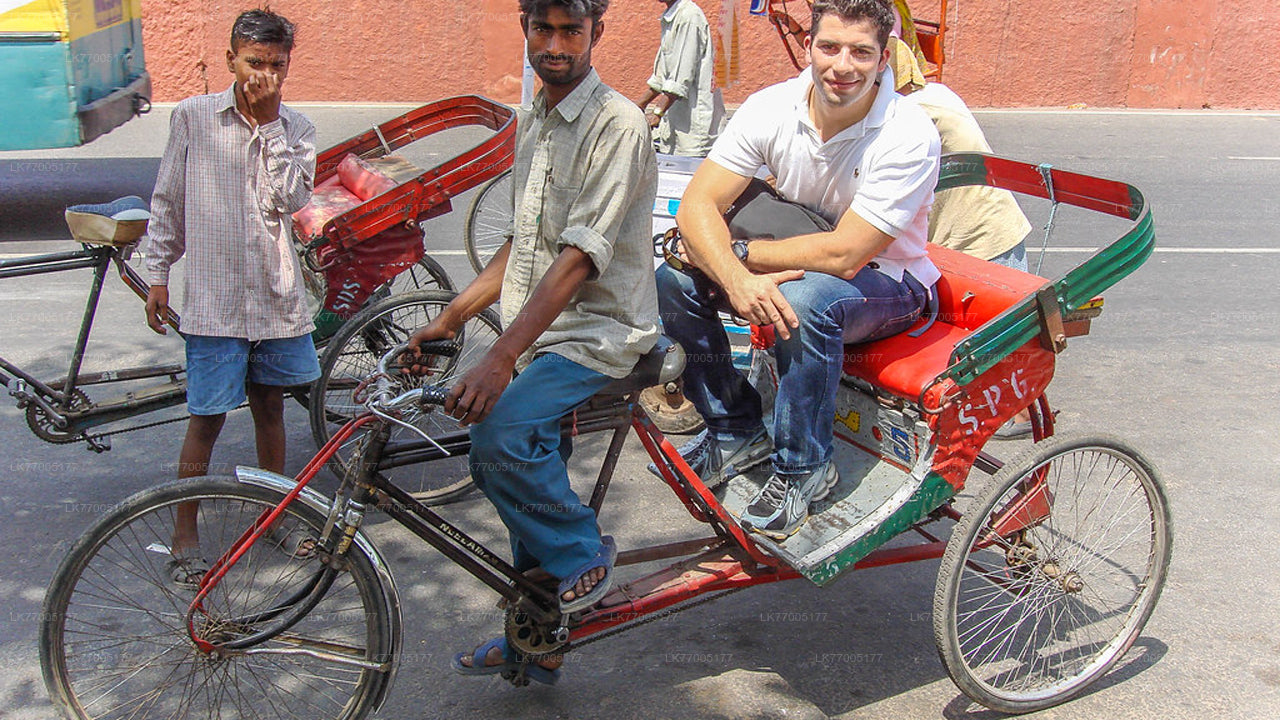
{"x": 876, "y": 11}
{"x": 263, "y": 27}
{"x": 577, "y": 8}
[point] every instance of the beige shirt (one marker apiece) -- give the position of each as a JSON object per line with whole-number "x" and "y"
{"x": 685, "y": 67}
{"x": 585, "y": 176}
{"x": 977, "y": 220}
{"x": 224, "y": 197}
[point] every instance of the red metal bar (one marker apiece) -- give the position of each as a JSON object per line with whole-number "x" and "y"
{"x": 664, "y": 454}
{"x": 264, "y": 521}
{"x": 714, "y": 571}
{"x": 903, "y": 554}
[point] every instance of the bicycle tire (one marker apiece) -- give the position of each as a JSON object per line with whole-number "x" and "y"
{"x": 113, "y": 637}
{"x": 352, "y": 356}
{"x": 488, "y": 221}
{"x": 1028, "y": 620}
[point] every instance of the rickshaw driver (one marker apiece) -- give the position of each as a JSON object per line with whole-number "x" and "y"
{"x": 579, "y": 307}
{"x": 840, "y": 141}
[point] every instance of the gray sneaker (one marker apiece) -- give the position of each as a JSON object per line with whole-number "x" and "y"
{"x": 717, "y": 462}
{"x": 782, "y": 507}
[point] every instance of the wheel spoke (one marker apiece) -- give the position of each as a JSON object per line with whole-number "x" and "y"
{"x": 1036, "y": 616}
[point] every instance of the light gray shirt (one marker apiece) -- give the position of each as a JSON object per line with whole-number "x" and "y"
{"x": 685, "y": 67}
{"x": 224, "y": 197}
{"x": 585, "y": 176}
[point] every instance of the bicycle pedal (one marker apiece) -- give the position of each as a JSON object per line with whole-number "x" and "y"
{"x": 98, "y": 445}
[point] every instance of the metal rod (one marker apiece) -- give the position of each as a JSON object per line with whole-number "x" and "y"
{"x": 463, "y": 550}
{"x": 668, "y": 550}
{"x": 86, "y": 324}
{"x": 610, "y": 461}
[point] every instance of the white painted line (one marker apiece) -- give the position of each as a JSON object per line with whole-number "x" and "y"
{"x": 1245, "y": 157}
{"x": 1190, "y": 250}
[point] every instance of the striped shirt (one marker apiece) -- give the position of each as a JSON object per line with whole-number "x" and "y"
{"x": 585, "y": 176}
{"x": 224, "y": 197}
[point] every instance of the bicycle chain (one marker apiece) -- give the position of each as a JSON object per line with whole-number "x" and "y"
{"x": 98, "y": 436}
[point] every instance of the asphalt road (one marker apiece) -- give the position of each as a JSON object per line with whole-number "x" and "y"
{"x": 1182, "y": 365}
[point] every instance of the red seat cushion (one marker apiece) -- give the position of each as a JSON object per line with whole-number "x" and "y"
{"x": 901, "y": 364}
{"x": 328, "y": 201}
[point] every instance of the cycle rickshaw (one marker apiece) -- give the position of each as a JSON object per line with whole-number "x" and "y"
{"x": 1048, "y": 577}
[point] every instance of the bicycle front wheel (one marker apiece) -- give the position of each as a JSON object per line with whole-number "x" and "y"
{"x": 1052, "y": 574}
{"x": 114, "y": 640}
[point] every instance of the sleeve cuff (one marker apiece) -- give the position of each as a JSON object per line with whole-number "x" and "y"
{"x": 590, "y": 242}
{"x": 158, "y": 276}
{"x": 273, "y": 129}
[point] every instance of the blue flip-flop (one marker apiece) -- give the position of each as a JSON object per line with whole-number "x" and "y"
{"x": 604, "y": 558}
{"x": 532, "y": 670}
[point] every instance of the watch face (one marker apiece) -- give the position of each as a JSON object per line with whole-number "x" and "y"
{"x": 740, "y": 249}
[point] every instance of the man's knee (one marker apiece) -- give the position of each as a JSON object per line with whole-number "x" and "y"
{"x": 805, "y": 299}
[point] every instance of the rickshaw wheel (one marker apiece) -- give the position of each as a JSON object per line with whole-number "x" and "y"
{"x": 352, "y": 355}
{"x": 488, "y": 221}
{"x": 1039, "y": 594}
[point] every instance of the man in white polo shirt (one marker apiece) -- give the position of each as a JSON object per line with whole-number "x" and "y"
{"x": 840, "y": 141}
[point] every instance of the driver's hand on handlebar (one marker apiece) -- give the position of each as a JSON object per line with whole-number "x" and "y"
{"x": 158, "y": 308}
{"x": 757, "y": 299}
{"x": 411, "y": 361}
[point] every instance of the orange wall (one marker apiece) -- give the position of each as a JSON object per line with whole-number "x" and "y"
{"x": 1000, "y": 53}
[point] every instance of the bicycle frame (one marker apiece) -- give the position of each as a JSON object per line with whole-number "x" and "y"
{"x": 58, "y": 399}
{"x": 726, "y": 561}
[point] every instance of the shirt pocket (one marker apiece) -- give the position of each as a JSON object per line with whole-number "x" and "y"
{"x": 557, "y": 201}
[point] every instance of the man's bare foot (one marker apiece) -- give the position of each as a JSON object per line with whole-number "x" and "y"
{"x": 494, "y": 657}
{"x": 585, "y": 583}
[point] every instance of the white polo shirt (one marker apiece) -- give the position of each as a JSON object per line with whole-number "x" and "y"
{"x": 883, "y": 168}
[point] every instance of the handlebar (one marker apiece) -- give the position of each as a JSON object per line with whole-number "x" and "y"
{"x": 381, "y": 401}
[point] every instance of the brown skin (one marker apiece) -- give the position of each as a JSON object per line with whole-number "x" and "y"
{"x": 260, "y": 71}
{"x": 560, "y": 47}
{"x": 845, "y": 58}
{"x": 664, "y": 99}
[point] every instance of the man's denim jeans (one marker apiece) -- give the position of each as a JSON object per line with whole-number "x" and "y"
{"x": 519, "y": 461}
{"x": 832, "y": 312}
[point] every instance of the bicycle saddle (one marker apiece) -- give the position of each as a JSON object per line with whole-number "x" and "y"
{"x": 119, "y": 222}
{"x": 661, "y": 365}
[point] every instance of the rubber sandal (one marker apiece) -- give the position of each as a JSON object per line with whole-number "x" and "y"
{"x": 187, "y": 572}
{"x": 301, "y": 548}
{"x": 604, "y": 558}
{"x": 532, "y": 670}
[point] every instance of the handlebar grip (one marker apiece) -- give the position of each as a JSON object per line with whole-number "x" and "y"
{"x": 434, "y": 395}
{"x": 447, "y": 348}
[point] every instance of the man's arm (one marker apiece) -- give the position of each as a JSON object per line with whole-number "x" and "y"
{"x": 166, "y": 233}
{"x": 705, "y": 235}
{"x": 841, "y": 252}
{"x": 475, "y": 297}
{"x": 474, "y": 396}
{"x": 676, "y": 69}
{"x": 291, "y": 164}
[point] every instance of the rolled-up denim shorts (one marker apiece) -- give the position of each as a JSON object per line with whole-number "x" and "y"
{"x": 219, "y": 367}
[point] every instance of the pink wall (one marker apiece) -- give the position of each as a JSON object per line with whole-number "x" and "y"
{"x": 1000, "y": 53}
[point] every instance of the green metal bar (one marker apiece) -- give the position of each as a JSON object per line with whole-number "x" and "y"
{"x": 1018, "y": 325}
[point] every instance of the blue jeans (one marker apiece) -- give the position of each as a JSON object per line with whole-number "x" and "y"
{"x": 1015, "y": 257}
{"x": 519, "y": 460}
{"x": 832, "y": 312}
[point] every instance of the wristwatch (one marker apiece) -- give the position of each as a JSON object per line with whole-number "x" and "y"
{"x": 740, "y": 250}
